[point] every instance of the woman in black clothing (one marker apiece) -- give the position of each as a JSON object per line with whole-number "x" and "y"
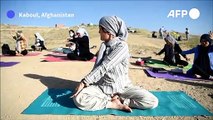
{"x": 203, "y": 58}
{"x": 82, "y": 51}
{"x": 172, "y": 52}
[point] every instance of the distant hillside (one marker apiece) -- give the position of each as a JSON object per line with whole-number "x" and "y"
{"x": 56, "y": 37}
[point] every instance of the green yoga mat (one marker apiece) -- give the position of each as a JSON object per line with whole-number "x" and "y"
{"x": 161, "y": 64}
{"x": 173, "y": 103}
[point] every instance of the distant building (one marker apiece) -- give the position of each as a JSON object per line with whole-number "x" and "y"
{"x": 90, "y": 24}
{"x": 83, "y": 24}
{"x": 130, "y": 30}
{"x": 59, "y": 25}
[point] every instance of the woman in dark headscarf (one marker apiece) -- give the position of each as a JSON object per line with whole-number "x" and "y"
{"x": 172, "y": 52}
{"x": 108, "y": 84}
{"x": 203, "y": 58}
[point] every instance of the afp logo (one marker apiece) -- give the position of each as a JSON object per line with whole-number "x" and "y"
{"x": 194, "y": 13}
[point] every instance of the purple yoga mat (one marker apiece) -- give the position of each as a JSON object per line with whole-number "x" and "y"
{"x": 7, "y": 64}
{"x": 169, "y": 76}
{"x": 29, "y": 54}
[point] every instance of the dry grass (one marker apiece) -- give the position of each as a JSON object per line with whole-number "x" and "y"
{"x": 56, "y": 37}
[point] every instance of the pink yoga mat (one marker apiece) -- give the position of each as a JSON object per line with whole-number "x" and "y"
{"x": 61, "y": 58}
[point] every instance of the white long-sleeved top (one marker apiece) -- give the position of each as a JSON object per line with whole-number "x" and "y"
{"x": 111, "y": 75}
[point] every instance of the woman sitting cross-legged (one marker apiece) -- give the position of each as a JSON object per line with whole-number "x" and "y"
{"x": 108, "y": 84}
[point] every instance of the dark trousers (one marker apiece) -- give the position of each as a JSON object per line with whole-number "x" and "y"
{"x": 182, "y": 62}
{"x": 41, "y": 45}
{"x": 13, "y": 53}
{"x": 74, "y": 56}
{"x": 197, "y": 70}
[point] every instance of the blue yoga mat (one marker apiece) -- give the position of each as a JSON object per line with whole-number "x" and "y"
{"x": 173, "y": 103}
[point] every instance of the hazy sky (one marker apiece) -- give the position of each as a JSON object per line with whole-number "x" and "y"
{"x": 146, "y": 14}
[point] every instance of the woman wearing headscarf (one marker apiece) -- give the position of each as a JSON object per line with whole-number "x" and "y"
{"x": 108, "y": 84}
{"x": 82, "y": 50}
{"x": 70, "y": 43}
{"x": 81, "y": 32}
{"x": 21, "y": 44}
{"x": 39, "y": 42}
{"x": 172, "y": 52}
{"x": 203, "y": 58}
{"x": 71, "y": 35}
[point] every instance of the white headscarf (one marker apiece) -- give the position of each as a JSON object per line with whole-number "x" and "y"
{"x": 115, "y": 26}
{"x": 39, "y": 37}
{"x": 82, "y": 32}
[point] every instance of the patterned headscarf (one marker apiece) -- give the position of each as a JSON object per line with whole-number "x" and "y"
{"x": 115, "y": 26}
{"x": 19, "y": 34}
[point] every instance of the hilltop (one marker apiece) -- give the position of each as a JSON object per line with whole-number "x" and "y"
{"x": 56, "y": 37}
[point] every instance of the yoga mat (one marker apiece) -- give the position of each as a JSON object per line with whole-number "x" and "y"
{"x": 55, "y": 59}
{"x": 169, "y": 76}
{"x": 33, "y": 54}
{"x": 60, "y": 58}
{"x": 7, "y": 64}
{"x": 172, "y": 103}
{"x": 161, "y": 64}
{"x": 29, "y": 54}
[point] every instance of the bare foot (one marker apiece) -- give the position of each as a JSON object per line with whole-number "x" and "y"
{"x": 116, "y": 104}
{"x": 197, "y": 76}
{"x": 18, "y": 54}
